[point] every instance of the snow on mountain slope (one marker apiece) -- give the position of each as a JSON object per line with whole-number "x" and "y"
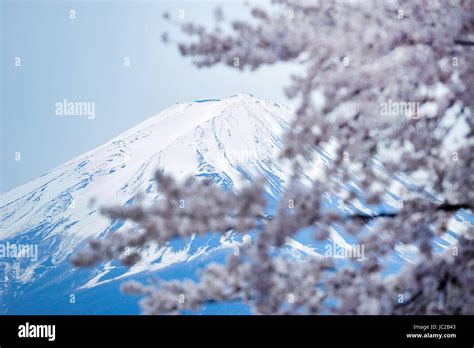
{"x": 230, "y": 140}
{"x": 223, "y": 138}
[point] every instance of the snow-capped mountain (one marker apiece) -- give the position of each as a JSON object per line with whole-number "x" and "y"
{"x": 230, "y": 140}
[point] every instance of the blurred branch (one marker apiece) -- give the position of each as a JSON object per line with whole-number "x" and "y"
{"x": 464, "y": 42}
{"x": 446, "y": 207}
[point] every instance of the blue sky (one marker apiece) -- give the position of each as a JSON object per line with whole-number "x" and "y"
{"x": 82, "y": 59}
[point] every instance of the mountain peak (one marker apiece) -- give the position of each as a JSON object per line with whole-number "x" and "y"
{"x": 229, "y": 141}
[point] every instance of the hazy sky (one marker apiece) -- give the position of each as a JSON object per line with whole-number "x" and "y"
{"x": 83, "y": 59}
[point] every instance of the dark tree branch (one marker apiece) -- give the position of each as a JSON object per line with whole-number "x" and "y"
{"x": 464, "y": 42}
{"x": 446, "y": 207}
